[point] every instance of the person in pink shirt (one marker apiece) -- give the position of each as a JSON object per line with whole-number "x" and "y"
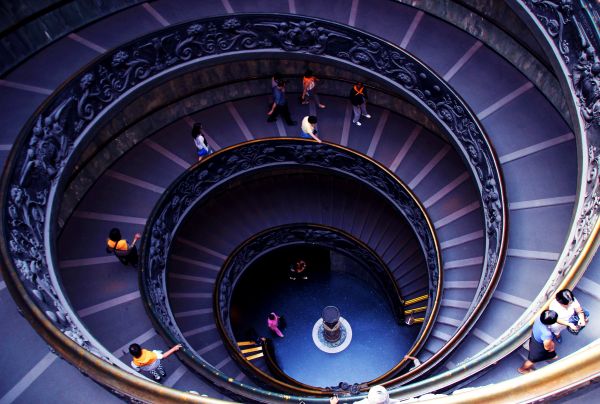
{"x": 273, "y": 323}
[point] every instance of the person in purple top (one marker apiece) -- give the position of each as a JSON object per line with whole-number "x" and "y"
{"x": 541, "y": 343}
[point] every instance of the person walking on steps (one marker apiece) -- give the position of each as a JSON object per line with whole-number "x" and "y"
{"x": 309, "y": 128}
{"x": 358, "y": 99}
{"x": 117, "y": 245}
{"x": 571, "y": 316}
{"x": 203, "y": 149}
{"x": 541, "y": 342}
{"x": 298, "y": 271}
{"x": 309, "y": 90}
{"x": 273, "y": 324}
{"x": 150, "y": 361}
{"x": 280, "y": 105}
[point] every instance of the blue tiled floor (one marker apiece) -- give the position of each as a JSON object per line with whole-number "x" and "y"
{"x": 378, "y": 342}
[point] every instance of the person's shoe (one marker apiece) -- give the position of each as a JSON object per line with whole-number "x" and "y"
{"x": 558, "y": 338}
{"x": 322, "y": 106}
{"x": 367, "y": 116}
{"x": 305, "y": 277}
{"x": 574, "y": 332}
{"x": 157, "y": 378}
{"x": 358, "y": 123}
{"x": 524, "y": 371}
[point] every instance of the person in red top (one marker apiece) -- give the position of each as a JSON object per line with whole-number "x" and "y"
{"x": 126, "y": 253}
{"x": 149, "y": 361}
{"x": 309, "y": 83}
{"x": 298, "y": 271}
{"x": 358, "y": 99}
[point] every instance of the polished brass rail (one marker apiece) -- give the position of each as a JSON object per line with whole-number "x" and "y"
{"x": 415, "y": 300}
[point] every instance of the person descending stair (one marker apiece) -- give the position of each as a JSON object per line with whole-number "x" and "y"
{"x": 117, "y": 245}
{"x": 203, "y": 149}
{"x": 309, "y": 128}
{"x": 298, "y": 271}
{"x": 280, "y": 105}
{"x": 150, "y": 361}
{"x": 571, "y": 315}
{"x": 541, "y": 342}
{"x": 273, "y": 322}
{"x": 358, "y": 99}
{"x": 309, "y": 91}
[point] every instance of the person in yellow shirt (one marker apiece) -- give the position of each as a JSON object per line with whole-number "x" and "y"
{"x": 126, "y": 253}
{"x": 149, "y": 361}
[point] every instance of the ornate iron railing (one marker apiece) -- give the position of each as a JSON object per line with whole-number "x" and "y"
{"x": 64, "y": 125}
{"x": 572, "y": 28}
{"x": 195, "y": 185}
{"x": 569, "y": 30}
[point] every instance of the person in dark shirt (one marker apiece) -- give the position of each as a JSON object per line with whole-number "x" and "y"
{"x": 358, "y": 99}
{"x": 298, "y": 271}
{"x": 280, "y": 105}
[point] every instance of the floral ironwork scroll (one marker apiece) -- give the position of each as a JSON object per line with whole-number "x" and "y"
{"x": 572, "y": 28}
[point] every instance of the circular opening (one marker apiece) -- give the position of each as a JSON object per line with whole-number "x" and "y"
{"x": 371, "y": 333}
{"x": 306, "y": 204}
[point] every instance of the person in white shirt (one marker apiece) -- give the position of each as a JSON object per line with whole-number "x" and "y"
{"x": 570, "y": 314}
{"x": 200, "y": 142}
{"x": 309, "y": 128}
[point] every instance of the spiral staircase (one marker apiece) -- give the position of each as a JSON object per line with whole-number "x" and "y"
{"x": 526, "y": 71}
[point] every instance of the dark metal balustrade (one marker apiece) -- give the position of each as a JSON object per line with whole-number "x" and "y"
{"x": 195, "y": 185}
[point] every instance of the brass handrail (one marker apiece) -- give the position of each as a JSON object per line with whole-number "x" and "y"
{"x": 506, "y": 347}
{"x": 415, "y": 300}
{"x": 276, "y": 370}
{"x": 561, "y": 376}
{"x": 97, "y": 369}
{"x": 415, "y": 310}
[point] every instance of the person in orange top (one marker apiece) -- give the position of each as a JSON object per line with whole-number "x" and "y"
{"x": 149, "y": 361}
{"x": 309, "y": 82}
{"x": 117, "y": 245}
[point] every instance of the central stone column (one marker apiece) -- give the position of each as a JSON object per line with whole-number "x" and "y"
{"x": 331, "y": 324}
{"x": 331, "y": 333}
